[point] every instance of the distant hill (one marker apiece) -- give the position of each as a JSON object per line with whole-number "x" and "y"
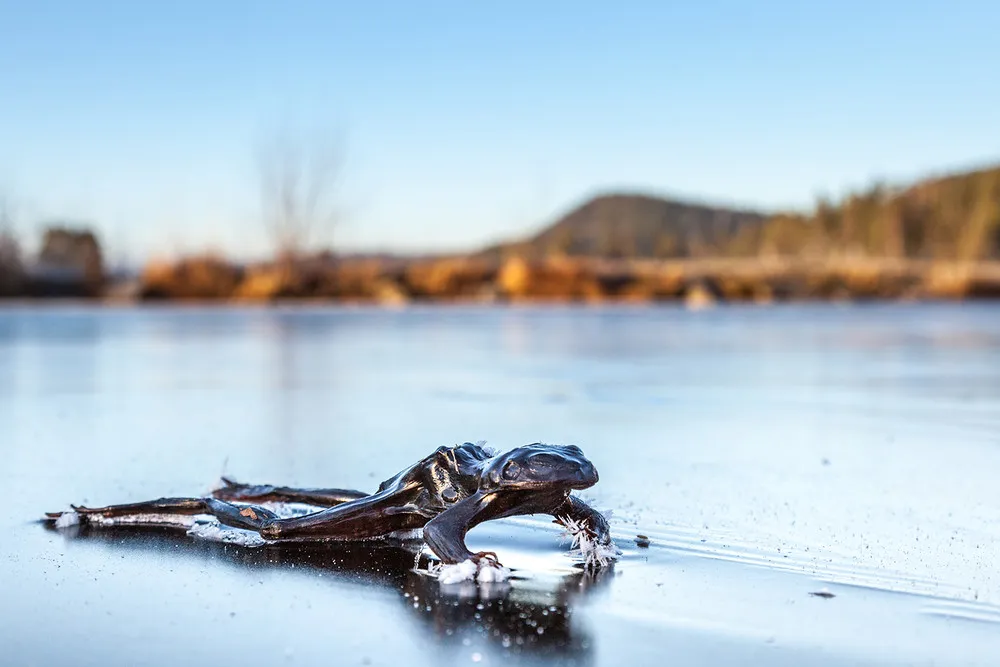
{"x": 636, "y": 225}
{"x": 951, "y": 217}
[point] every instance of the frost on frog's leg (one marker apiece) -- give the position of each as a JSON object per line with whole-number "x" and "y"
{"x": 589, "y": 532}
{"x": 594, "y": 552}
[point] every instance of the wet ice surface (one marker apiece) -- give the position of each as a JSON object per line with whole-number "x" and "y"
{"x": 768, "y": 454}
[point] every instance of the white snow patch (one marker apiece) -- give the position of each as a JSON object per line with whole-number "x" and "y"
{"x": 214, "y": 531}
{"x": 68, "y": 520}
{"x": 485, "y": 572}
{"x": 453, "y": 574}
{"x": 585, "y": 544}
{"x": 492, "y": 573}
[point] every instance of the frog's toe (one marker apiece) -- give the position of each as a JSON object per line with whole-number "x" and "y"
{"x": 490, "y": 557}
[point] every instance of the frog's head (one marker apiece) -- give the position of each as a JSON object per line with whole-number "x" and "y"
{"x": 540, "y": 467}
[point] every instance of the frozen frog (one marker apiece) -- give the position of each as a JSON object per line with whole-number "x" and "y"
{"x": 445, "y": 494}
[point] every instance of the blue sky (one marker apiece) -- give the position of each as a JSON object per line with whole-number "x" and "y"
{"x": 465, "y": 122}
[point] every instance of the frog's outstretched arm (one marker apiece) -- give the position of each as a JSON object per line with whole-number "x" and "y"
{"x": 581, "y": 512}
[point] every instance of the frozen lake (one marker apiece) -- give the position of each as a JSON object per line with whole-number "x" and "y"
{"x": 769, "y": 453}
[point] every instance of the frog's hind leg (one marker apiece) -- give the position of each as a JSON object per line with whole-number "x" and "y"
{"x": 167, "y": 512}
{"x": 233, "y": 490}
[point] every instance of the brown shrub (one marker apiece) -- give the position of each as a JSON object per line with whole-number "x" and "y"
{"x": 205, "y": 276}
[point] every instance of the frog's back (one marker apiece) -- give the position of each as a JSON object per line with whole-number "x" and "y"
{"x": 447, "y": 468}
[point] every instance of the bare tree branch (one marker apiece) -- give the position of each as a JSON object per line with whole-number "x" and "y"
{"x": 6, "y": 215}
{"x": 298, "y": 178}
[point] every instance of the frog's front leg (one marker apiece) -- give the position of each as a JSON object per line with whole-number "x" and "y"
{"x": 445, "y": 533}
{"x": 583, "y": 514}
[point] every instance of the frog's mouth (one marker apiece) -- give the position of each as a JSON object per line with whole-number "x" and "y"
{"x": 586, "y": 477}
{"x": 581, "y": 479}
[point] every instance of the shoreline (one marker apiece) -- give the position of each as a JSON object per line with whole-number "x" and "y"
{"x": 546, "y": 282}
{"x": 553, "y": 305}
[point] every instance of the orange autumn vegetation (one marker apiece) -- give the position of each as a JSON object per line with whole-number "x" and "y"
{"x": 573, "y": 280}
{"x": 936, "y": 239}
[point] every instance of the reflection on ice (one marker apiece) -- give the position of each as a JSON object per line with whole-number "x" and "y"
{"x": 528, "y": 613}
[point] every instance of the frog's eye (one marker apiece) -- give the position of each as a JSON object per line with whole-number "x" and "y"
{"x": 511, "y": 470}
